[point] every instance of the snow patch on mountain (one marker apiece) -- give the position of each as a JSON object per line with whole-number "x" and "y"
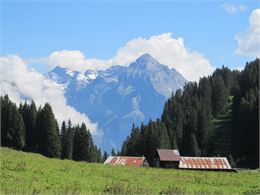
{"x": 136, "y": 114}
{"x": 91, "y": 75}
{"x": 69, "y": 72}
{"x": 125, "y": 90}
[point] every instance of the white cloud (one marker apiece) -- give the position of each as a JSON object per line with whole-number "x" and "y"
{"x": 249, "y": 41}
{"x": 232, "y": 9}
{"x": 73, "y": 60}
{"x": 166, "y": 49}
{"x": 19, "y": 83}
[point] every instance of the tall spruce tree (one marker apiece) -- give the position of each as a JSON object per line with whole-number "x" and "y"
{"x": 17, "y": 129}
{"x": 29, "y": 113}
{"x": 113, "y": 153}
{"x": 245, "y": 117}
{"x": 219, "y": 95}
{"x": 68, "y": 147}
{"x": 48, "y": 138}
{"x": 81, "y": 144}
{"x": 105, "y": 156}
{"x": 12, "y": 125}
{"x": 5, "y": 119}
{"x": 63, "y": 140}
{"x": 205, "y": 130}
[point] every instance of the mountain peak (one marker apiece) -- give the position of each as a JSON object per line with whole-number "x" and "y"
{"x": 58, "y": 68}
{"x": 146, "y": 58}
{"x": 62, "y": 71}
{"x": 119, "y": 96}
{"x": 145, "y": 61}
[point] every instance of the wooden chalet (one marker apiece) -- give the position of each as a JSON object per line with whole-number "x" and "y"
{"x": 169, "y": 158}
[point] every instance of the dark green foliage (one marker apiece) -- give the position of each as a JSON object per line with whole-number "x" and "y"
{"x": 37, "y": 130}
{"x": 68, "y": 142}
{"x": 231, "y": 160}
{"x": 12, "y": 125}
{"x": 105, "y": 155}
{"x": 133, "y": 144}
{"x": 48, "y": 140}
{"x": 95, "y": 153}
{"x": 63, "y": 139}
{"x": 189, "y": 117}
{"x": 229, "y": 77}
{"x": 83, "y": 146}
{"x": 245, "y": 117}
{"x": 80, "y": 144}
{"x": 28, "y": 113}
{"x": 145, "y": 141}
{"x": 219, "y": 95}
{"x": 193, "y": 146}
{"x": 30, "y": 129}
{"x": 205, "y": 130}
{"x": 113, "y": 153}
{"x": 16, "y": 135}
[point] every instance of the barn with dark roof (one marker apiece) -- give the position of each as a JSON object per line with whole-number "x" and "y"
{"x": 169, "y": 158}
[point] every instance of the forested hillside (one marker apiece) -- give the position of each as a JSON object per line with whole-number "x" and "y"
{"x": 36, "y": 130}
{"x": 222, "y": 106}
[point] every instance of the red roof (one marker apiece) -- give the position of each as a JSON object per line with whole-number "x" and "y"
{"x": 126, "y": 161}
{"x": 204, "y": 163}
{"x": 168, "y": 155}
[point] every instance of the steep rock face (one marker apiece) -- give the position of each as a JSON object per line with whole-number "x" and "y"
{"x": 119, "y": 96}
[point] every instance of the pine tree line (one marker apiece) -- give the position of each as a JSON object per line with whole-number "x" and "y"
{"x": 187, "y": 121}
{"x": 245, "y": 117}
{"x": 36, "y": 130}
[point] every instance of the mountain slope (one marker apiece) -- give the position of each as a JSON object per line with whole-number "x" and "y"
{"x": 119, "y": 96}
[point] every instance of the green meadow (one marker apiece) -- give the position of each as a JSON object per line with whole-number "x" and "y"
{"x": 29, "y": 173}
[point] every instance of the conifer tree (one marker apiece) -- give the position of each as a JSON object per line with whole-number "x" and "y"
{"x": 12, "y": 125}
{"x": 63, "y": 140}
{"x": 81, "y": 144}
{"x": 5, "y": 116}
{"x": 219, "y": 95}
{"x": 193, "y": 146}
{"x": 29, "y": 113}
{"x": 105, "y": 156}
{"x": 68, "y": 148}
{"x": 16, "y": 129}
{"x": 113, "y": 153}
{"x": 48, "y": 138}
{"x": 205, "y": 130}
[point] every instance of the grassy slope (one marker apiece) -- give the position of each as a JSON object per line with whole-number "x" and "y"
{"x": 32, "y": 173}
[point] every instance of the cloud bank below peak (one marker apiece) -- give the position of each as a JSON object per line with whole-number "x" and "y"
{"x": 20, "y": 83}
{"x": 165, "y": 48}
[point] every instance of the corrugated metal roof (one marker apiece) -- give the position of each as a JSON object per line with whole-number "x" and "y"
{"x": 204, "y": 163}
{"x": 126, "y": 161}
{"x": 168, "y": 155}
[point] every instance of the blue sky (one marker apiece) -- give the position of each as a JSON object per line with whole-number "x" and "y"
{"x": 99, "y": 28}
{"x": 192, "y": 37}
